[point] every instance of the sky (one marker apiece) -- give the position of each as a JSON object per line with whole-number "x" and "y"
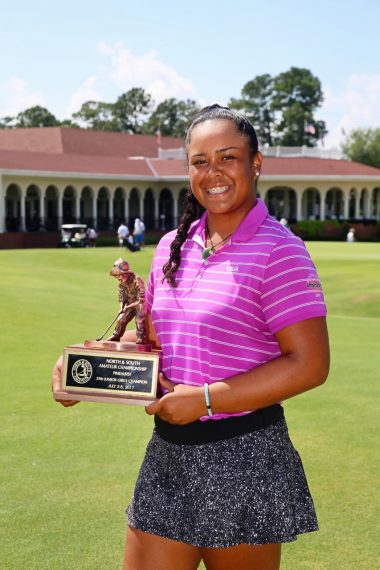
{"x": 59, "y": 55}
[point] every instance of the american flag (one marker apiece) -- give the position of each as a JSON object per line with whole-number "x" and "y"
{"x": 309, "y": 129}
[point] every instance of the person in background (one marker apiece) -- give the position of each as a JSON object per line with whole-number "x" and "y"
{"x": 351, "y": 235}
{"x": 138, "y": 232}
{"x": 92, "y": 237}
{"x": 122, "y": 234}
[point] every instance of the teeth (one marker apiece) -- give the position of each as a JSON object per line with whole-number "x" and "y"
{"x": 218, "y": 190}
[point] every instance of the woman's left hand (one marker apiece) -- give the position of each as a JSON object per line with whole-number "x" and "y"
{"x": 181, "y": 405}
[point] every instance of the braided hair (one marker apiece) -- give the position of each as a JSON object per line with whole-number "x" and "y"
{"x": 192, "y": 209}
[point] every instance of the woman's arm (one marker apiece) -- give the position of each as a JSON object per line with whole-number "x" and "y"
{"x": 303, "y": 365}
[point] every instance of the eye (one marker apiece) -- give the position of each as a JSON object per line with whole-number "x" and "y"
{"x": 228, "y": 157}
{"x": 198, "y": 162}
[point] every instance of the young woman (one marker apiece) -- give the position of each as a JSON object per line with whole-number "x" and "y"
{"x": 235, "y": 303}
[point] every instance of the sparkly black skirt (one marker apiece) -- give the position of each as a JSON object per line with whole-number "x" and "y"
{"x": 247, "y": 489}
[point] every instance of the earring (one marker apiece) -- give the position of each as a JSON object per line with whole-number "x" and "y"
{"x": 257, "y": 174}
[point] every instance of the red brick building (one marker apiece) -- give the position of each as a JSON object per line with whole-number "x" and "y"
{"x": 50, "y": 176}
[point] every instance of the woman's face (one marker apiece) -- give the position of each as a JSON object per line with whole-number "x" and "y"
{"x": 221, "y": 168}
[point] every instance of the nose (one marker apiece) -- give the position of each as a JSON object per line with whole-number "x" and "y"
{"x": 214, "y": 168}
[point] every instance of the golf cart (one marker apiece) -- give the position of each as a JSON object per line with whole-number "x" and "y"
{"x": 73, "y": 235}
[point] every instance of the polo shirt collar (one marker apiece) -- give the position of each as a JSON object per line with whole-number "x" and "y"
{"x": 245, "y": 231}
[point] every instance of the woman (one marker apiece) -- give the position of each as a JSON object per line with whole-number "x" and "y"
{"x": 238, "y": 310}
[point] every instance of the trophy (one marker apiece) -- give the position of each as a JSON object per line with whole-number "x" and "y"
{"x": 112, "y": 370}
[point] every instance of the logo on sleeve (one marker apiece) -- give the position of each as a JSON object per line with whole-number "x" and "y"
{"x": 313, "y": 283}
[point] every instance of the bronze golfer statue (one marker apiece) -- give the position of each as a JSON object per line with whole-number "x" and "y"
{"x": 132, "y": 301}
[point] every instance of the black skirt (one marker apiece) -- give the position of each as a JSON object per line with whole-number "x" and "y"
{"x": 248, "y": 489}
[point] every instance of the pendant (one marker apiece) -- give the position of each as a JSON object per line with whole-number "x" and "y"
{"x": 206, "y": 252}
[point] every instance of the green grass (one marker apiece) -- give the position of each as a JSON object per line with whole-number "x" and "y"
{"x": 66, "y": 474}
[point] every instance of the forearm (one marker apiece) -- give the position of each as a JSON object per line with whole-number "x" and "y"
{"x": 270, "y": 383}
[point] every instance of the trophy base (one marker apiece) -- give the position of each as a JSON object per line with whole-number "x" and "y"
{"x": 110, "y": 372}
{"x": 62, "y": 395}
{"x": 117, "y": 345}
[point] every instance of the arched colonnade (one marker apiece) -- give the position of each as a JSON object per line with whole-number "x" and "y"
{"x": 328, "y": 202}
{"x": 34, "y": 206}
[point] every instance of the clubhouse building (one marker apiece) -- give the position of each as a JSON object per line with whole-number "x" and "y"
{"x": 50, "y": 176}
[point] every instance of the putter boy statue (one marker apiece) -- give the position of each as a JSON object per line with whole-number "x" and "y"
{"x": 132, "y": 301}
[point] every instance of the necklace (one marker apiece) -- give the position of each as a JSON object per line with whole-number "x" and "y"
{"x": 207, "y": 251}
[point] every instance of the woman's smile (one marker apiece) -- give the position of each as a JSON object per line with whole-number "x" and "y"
{"x": 216, "y": 190}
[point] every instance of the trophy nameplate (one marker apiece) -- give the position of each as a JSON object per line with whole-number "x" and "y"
{"x": 109, "y": 371}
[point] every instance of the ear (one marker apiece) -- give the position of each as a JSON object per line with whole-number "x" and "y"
{"x": 256, "y": 164}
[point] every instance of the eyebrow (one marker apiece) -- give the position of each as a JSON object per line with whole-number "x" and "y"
{"x": 217, "y": 150}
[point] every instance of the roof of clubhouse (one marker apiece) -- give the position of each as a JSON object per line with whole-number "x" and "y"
{"x": 57, "y": 150}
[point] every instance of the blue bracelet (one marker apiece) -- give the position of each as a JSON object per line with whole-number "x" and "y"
{"x": 207, "y": 398}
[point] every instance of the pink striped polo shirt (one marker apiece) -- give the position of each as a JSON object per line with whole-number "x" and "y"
{"x": 221, "y": 318}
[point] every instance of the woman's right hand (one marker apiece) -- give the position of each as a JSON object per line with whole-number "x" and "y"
{"x": 56, "y": 383}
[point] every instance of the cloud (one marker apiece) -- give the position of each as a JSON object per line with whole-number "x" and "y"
{"x": 17, "y": 97}
{"x": 126, "y": 70}
{"x": 86, "y": 92}
{"x": 356, "y": 106}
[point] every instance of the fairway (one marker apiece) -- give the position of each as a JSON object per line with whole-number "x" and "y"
{"x": 67, "y": 474}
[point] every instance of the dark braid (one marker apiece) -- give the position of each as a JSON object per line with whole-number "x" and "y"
{"x": 192, "y": 208}
{"x": 191, "y": 212}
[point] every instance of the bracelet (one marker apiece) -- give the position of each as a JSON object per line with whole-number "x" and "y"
{"x": 207, "y": 398}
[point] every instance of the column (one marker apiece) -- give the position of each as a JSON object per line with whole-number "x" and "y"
{"x": 367, "y": 205}
{"x": 110, "y": 212}
{"x": 2, "y": 206}
{"x": 156, "y": 212}
{"x": 175, "y": 211}
{"x": 77, "y": 207}
{"x": 41, "y": 213}
{"x": 357, "y": 204}
{"x": 95, "y": 209}
{"x": 126, "y": 210}
{"x": 346, "y": 204}
{"x": 141, "y": 207}
{"x": 60, "y": 209}
{"x": 22, "y": 213}
{"x": 323, "y": 206}
{"x": 299, "y": 205}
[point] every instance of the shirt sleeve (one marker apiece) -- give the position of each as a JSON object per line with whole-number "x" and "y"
{"x": 292, "y": 291}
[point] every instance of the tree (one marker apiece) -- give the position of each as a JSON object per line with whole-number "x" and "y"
{"x": 69, "y": 124}
{"x": 363, "y": 145}
{"x": 297, "y": 95}
{"x": 255, "y": 103}
{"x": 131, "y": 110}
{"x": 281, "y": 107}
{"x": 97, "y": 115}
{"x": 36, "y": 117}
{"x": 171, "y": 117}
{"x": 7, "y": 122}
